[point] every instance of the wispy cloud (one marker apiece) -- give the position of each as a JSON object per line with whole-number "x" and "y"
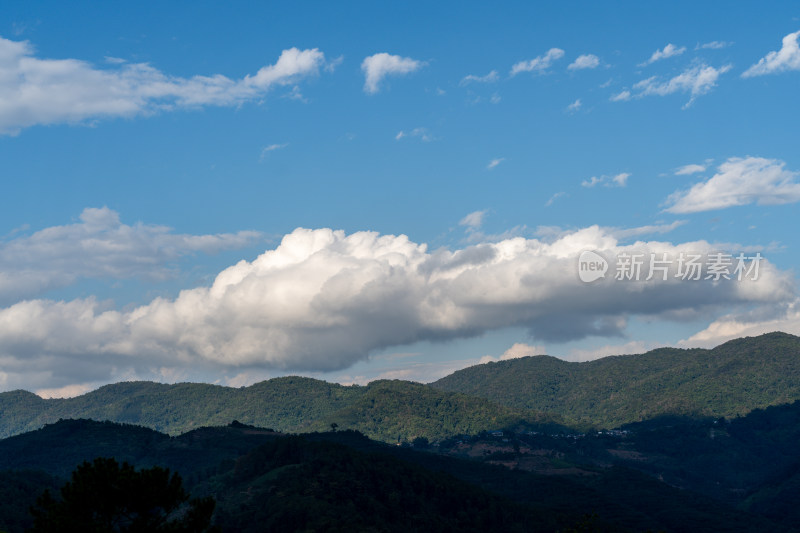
{"x": 37, "y": 91}
{"x": 696, "y": 81}
{"x": 271, "y": 148}
{"x": 555, "y": 197}
{"x": 621, "y": 179}
{"x": 713, "y": 45}
{"x": 740, "y": 181}
{"x": 377, "y": 66}
{"x": 488, "y": 78}
{"x": 618, "y": 180}
{"x": 574, "y": 106}
{"x": 591, "y": 182}
{"x": 650, "y": 229}
{"x": 538, "y": 64}
{"x": 473, "y": 220}
{"x": 668, "y": 51}
{"x": 100, "y": 246}
{"x": 621, "y": 96}
{"x": 785, "y": 59}
{"x": 689, "y": 169}
{"x": 420, "y": 133}
{"x": 585, "y": 61}
{"x": 494, "y": 162}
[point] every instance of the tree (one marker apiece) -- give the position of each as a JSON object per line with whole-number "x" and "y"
{"x": 421, "y": 443}
{"x": 104, "y": 496}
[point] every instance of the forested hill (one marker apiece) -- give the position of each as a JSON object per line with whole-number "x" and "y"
{"x": 732, "y": 379}
{"x": 385, "y": 410}
{"x": 729, "y": 380}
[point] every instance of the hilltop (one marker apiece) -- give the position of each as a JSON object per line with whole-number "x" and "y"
{"x": 533, "y": 393}
{"x": 391, "y": 411}
{"x": 730, "y": 380}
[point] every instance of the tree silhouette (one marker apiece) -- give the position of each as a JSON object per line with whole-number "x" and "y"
{"x": 104, "y": 496}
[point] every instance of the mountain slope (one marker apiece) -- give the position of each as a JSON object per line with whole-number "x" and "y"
{"x": 385, "y": 410}
{"x": 393, "y": 411}
{"x": 282, "y": 403}
{"x": 342, "y": 481}
{"x": 729, "y": 380}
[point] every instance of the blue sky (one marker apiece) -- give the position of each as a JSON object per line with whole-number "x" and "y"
{"x": 206, "y": 193}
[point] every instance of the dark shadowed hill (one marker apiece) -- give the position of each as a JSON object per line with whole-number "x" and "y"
{"x": 731, "y": 379}
{"x": 342, "y": 481}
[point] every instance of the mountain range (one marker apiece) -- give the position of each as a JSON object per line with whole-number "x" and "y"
{"x": 671, "y": 440}
{"x": 534, "y": 393}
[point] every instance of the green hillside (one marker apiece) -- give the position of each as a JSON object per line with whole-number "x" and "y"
{"x": 729, "y": 380}
{"x": 385, "y": 410}
{"x": 393, "y": 411}
{"x": 732, "y": 379}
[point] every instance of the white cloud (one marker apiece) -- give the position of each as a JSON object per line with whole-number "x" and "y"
{"x": 584, "y": 61}
{"x": 488, "y": 78}
{"x": 378, "y": 66}
{"x": 756, "y": 322}
{"x": 689, "y": 169}
{"x": 419, "y": 133}
{"x": 474, "y": 220}
{"x": 740, "y": 181}
{"x": 650, "y": 229}
{"x": 696, "y": 81}
{"x": 421, "y": 372}
{"x": 555, "y": 197}
{"x": 787, "y": 58}
{"x": 574, "y": 106}
{"x": 494, "y": 162}
{"x": 538, "y": 64}
{"x": 36, "y": 91}
{"x": 591, "y": 354}
{"x": 668, "y": 51}
{"x": 100, "y": 246}
{"x": 67, "y": 391}
{"x": 619, "y": 180}
{"x": 520, "y": 349}
{"x": 621, "y": 96}
{"x": 323, "y": 300}
{"x": 517, "y": 350}
{"x": 713, "y": 45}
{"x": 271, "y": 148}
{"x": 591, "y": 182}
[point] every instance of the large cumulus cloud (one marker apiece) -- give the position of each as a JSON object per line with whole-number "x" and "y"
{"x": 323, "y": 300}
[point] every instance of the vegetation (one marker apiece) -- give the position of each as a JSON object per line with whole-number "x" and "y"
{"x": 293, "y": 484}
{"x": 385, "y": 410}
{"x": 344, "y": 481}
{"x": 104, "y": 497}
{"x": 707, "y": 440}
{"x": 727, "y": 381}
{"x": 19, "y": 490}
{"x": 400, "y": 411}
